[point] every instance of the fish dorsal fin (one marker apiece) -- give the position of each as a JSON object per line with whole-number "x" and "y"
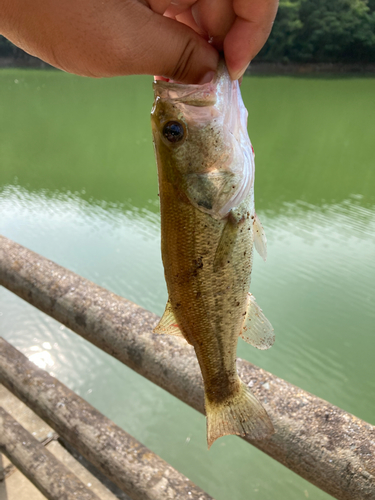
{"x": 168, "y": 323}
{"x": 256, "y": 329}
{"x": 260, "y": 240}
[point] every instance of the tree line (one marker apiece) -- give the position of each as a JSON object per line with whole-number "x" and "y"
{"x": 308, "y": 31}
{"x": 322, "y": 31}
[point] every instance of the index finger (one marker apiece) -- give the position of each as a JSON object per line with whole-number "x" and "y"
{"x": 248, "y": 33}
{"x": 215, "y": 18}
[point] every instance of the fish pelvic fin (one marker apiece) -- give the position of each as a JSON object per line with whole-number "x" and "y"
{"x": 260, "y": 240}
{"x": 226, "y": 244}
{"x": 256, "y": 329}
{"x": 228, "y": 238}
{"x": 242, "y": 415}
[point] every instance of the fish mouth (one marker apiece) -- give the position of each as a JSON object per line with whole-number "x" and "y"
{"x": 190, "y": 94}
{"x": 222, "y": 95}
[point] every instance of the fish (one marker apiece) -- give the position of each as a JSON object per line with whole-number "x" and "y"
{"x": 209, "y": 227}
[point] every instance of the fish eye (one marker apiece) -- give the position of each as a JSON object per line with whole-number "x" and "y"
{"x": 173, "y": 131}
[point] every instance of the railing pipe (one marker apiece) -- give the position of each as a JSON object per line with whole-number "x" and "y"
{"x": 322, "y": 443}
{"x": 43, "y": 469}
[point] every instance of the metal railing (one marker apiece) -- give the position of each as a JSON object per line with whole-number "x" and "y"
{"x": 329, "y": 447}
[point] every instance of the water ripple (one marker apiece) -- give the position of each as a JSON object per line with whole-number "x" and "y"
{"x": 317, "y": 288}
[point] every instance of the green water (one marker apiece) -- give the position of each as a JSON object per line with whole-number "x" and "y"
{"x": 78, "y": 185}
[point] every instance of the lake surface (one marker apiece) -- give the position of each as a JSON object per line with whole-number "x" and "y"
{"x": 78, "y": 185}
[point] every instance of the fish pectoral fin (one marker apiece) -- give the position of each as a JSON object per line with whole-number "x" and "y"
{"x": 226, "y": 243}
{"x": 256, "y": 329}
{"x": 209, "y": 192}
{"x": 260, "y": 240}
{"x": 168, "y": 324}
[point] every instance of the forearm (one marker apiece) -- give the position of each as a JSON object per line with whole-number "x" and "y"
{"x": 107, "y": 38}
{"x": 17, "y": 20}
{"x": 59, "y": 32}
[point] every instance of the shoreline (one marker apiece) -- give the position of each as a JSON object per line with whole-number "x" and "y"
{"x": 23, "y": 61}
{"x": 256, "y": 68}
{"x": 265, "y": 68}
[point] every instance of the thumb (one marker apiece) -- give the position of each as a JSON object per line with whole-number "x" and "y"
{"x": 171, "y": 49}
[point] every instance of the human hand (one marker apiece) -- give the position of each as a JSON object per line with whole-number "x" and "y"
{"x": 123, "y": 37}
{"x": 239, "y": 28}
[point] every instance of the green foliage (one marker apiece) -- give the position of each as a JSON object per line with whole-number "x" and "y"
{"x": 322, "y": 31}
{"x": 285, "y": 30}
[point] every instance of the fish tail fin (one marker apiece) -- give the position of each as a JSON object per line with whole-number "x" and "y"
{"x": 241, "y": 414}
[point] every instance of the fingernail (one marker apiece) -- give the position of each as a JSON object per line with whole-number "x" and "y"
{"x": 236, "y": 75}
{"x": 158, "y": 78}
{"x": 208, "y": 77}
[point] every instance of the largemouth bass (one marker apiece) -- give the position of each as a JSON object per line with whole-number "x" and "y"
{"x": 208, "y": 229}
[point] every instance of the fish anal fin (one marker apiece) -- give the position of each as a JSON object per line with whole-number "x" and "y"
{"x": 242, "y": 415}
{"x": 256, "y": 329}
{"x": 168, "y": 324}
{"x": 260, "y": 240}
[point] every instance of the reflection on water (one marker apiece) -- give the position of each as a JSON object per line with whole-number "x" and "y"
{"x": 316, "y": 288}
